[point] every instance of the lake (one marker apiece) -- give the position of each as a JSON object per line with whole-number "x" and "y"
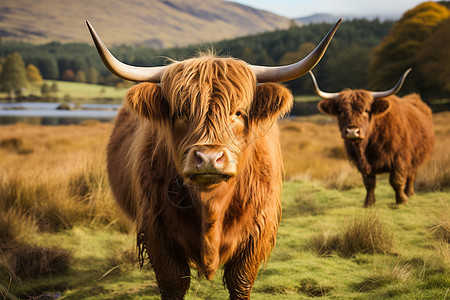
{"x": 44, "y": 113}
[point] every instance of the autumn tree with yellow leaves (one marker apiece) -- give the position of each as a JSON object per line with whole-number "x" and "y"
{"x": 417, "y": 40}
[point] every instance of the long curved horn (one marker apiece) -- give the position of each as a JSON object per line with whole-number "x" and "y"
{"x": 394, "y": 90}
{"x": 295, "y": 70}
{"x": 132, "y": 73}
{"x": 321, "y": 94}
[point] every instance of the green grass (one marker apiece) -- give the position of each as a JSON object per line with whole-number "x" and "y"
{"x": 417, "y": 268}
{"x": 78, "y": 92}
{"x": 86, "y": 91}
{"x": 306, "y": 98}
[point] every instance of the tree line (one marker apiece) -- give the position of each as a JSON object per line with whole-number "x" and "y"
{"x": 80, "y": 62}
{"x": 363, "y": 54}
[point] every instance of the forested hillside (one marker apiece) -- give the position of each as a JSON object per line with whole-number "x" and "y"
{"x": 344, "y": 64}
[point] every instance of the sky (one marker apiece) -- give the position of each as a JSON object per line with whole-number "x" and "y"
{"x": 302, "y": 8}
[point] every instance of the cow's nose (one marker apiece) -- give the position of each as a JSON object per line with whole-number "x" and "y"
{"x": 209, "y": 160}
{"x": 353, "y": 132}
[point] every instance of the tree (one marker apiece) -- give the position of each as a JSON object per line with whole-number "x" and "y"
{"x": 68, "y": 75}
{"x": 80, "y": 76}
{"x": 13, "y": 77}
{"x": 433, "y": 63}
{"x": 54, "y": 88}
{"x": 300, "y": 84}
{"x": 397, "y": 52}
{"x": 34, "y": 76}
{"x": 46, "y": 63}
{"x": 92, "y": 75}
{"x": 347, "y": 68}
{"x": 45, "y": 89}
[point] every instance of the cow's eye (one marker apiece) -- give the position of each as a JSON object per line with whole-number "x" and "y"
{"x": 182, "y": 116}
{"x": 238, "y": 113}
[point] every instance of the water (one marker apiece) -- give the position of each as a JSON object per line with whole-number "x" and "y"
{"x": 43, "y": 113}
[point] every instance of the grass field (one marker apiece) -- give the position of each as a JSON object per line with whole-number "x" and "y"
{"x": 82, "y": 92}
{"x": 61, "y": 235}
{"x": 86, "y": 91}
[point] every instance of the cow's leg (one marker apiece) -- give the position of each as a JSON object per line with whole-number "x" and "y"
{"x": 240, "y": 274}
{"x": 172, "y": 275}
{"x": 370, "y": 182}
{"x": 398, "y": 180}
{"x": 409, "y": 189}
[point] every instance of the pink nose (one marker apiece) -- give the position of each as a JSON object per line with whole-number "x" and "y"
{"x": 209, "y": 161}
{"x": 352, "y": 132}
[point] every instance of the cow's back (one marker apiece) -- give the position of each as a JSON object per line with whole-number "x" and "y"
{"x": 404, "y": 134}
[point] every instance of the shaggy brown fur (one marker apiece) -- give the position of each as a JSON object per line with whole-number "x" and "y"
{"x": 202, "y": 103}
{"x": 395, "y": 135}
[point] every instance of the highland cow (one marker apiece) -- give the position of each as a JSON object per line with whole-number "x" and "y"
{"x": 194, "y": 159}
{"x": 382, "y": 133}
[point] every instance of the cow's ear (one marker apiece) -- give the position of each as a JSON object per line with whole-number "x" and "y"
{"x": 147, "y": 101}
{"x": 380, "y": 107}
{"x": 328, "y": 107}
{"x": 271, "y": 100}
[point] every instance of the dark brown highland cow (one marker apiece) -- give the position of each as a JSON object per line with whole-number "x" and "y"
{"x": 194, "y": 159}
{"x": 382, "y": 133}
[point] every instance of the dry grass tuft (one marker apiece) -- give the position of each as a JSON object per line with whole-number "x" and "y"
{"x": 384, "y": 275}
{"x": 325, "y": 244}
{"x": 442, "y": 228}
{"x": 23, "y": 261}
{"x": 15, "y": 227}
{"x": 311, "y": 288}
{"x": 365, "y": 234}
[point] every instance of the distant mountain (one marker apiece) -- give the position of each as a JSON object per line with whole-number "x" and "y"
{"x": 330, "y": 18}
{"x": 318, "y": 18}
{"x": 155, "y": 23}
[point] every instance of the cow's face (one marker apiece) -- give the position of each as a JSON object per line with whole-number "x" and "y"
{"x": 211, "y": 110}
{"x": 355, "y": 111}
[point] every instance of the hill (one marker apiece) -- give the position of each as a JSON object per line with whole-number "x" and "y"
{"x": 158, "y": 24}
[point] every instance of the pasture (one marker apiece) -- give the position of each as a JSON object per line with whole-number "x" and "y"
{"x": 62, "y": 237}
{"x": 78, "y": 92}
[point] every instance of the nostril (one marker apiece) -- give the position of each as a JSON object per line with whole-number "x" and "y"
{"x": 220, "y": 158}
{"x": 357, "y": 131}
{"x": 199, "y": 158}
